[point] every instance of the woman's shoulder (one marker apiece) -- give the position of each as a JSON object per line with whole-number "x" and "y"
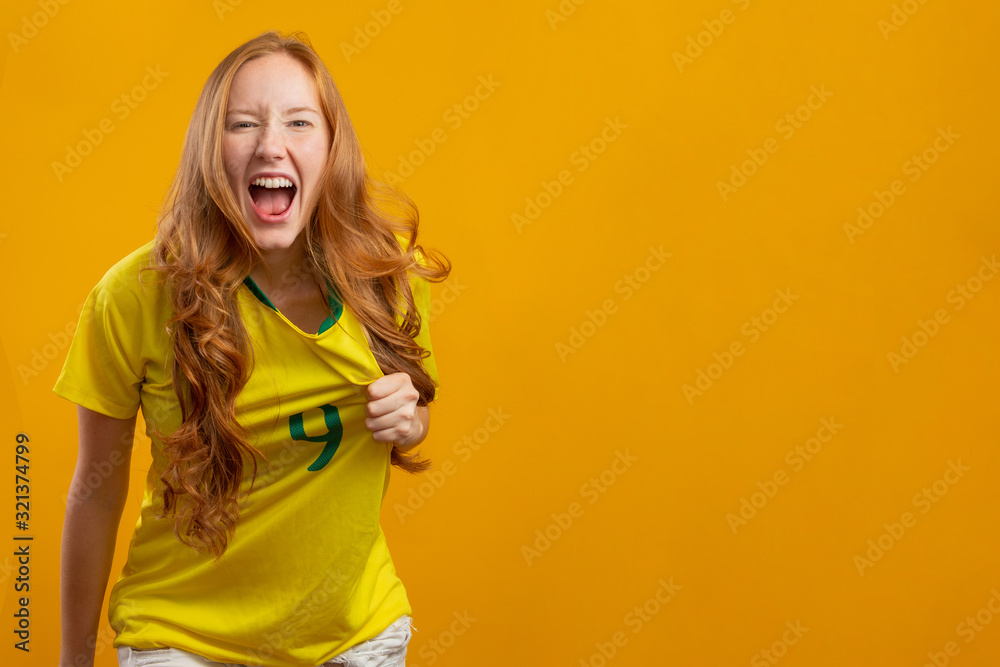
{"x": 126, "y": 279}
{"x": 132, "y": 262}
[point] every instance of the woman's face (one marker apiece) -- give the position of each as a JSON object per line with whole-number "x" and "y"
{"x": 275, "y": 147}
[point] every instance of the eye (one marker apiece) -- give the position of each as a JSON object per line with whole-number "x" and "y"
{"x": 240, "y": 124}
{"x": 304, "y": 123}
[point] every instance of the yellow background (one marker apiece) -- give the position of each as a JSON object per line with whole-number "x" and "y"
{"x": 517, "y": 291}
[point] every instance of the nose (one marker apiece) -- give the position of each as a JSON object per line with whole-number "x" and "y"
{"x": 270, "y": 144}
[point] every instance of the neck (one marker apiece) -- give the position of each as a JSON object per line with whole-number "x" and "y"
{"x": 280, "y": 266}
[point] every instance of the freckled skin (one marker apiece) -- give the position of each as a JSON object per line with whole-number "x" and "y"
{"x": 269, "y": 138}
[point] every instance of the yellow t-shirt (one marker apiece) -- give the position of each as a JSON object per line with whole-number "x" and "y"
{"x": 307, "y": 573}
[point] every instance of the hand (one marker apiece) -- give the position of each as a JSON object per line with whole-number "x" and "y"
{"x": 392, "y": 412}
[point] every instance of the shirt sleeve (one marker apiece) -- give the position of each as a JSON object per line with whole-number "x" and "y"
{"x": 422, "y": 299}
{"x": 103, "y": 370}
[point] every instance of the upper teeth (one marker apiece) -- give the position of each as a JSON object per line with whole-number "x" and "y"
{"x": 279, "y": 182}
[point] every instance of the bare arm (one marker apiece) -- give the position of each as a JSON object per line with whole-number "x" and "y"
{"x": 94, "y": 507}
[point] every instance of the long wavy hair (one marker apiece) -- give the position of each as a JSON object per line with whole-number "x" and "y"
{"x": 205, "y": 248}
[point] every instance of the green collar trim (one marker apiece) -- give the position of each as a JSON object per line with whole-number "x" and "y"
{"x": 336, "y": 307}
{"x": 248, "y": 281}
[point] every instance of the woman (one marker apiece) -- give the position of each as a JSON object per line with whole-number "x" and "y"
{"x": 280, "y": 314}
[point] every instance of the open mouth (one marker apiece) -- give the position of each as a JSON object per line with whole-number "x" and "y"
{"x": 272, "y": 197}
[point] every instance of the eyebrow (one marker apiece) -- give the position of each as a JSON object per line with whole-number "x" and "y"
{"x": 287, "y": 111}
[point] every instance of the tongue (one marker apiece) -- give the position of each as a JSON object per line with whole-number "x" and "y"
{"x": 272, "y": 201}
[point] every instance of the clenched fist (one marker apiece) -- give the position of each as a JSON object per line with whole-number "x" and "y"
{"x": 392, "y": 414}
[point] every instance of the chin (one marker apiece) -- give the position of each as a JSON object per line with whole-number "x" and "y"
{"x": 274, "y": 245}
{"x": 275, "y": 236}
{"x": 270, "y": 242}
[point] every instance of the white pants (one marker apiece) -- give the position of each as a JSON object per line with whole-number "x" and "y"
{"x": 386, "y": 649}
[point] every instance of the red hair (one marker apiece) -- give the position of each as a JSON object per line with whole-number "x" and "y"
{"x": 205, "y": 249}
